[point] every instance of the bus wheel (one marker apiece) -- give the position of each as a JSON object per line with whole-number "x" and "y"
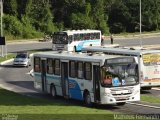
{"x": 53, "y": 91}
{"x": 121, "y": 103}
{"x": 87, "y": 99}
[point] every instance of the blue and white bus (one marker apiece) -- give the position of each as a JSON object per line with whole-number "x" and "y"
{"x": 148, "y": 62}
{"x": 74, "y": 40}
{"x": 99, "y": 78}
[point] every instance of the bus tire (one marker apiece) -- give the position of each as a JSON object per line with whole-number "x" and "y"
{"x": 53, "y": 91}
{"x": 121, "y": 103}
{"x": 75, "y": 49}
{"x": 87, "y": 99}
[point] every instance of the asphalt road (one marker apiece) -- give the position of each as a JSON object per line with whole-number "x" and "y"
{"x": 28, "y": 46}
{"x": 18, "y": 80}
{"x": 135, "y": 41}
{"x": 48, "y": 45}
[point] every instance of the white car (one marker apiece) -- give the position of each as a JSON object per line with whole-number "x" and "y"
{"x": 22, "y": 59}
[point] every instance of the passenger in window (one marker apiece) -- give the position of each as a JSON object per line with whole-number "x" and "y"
{"x": 107, "y": 80}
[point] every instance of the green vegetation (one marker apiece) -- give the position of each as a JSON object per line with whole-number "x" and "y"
{"x": 29, "y": 107}
{"x": 31, "y": 19}
{"x": 9, "y": 56}
{"x": 150, "y": 99}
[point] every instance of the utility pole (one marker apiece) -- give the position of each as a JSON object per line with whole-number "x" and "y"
{"x": 140, "y": 22}
{"x": 1, "y": 2}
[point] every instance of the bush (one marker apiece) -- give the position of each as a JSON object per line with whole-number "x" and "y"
{"x": 28, "y": 30}
{"x": 13, "y": 25}
{"x": 14, "y": 28}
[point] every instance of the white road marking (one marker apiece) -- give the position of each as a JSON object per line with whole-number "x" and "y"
{"x": 150, "y": 106}
{"x": 155, "y": 88}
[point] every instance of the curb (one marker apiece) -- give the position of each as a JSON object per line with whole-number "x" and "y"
{"x": 5, "y": 62}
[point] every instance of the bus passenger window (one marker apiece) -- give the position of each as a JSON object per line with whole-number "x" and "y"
{"x": 50, "y": 64}
{"x": 57, "y": 67}
{"x": 72, "y": 69}
{"x": 37, "y": 64}
{"x": 70, "y": 38}
{"x": 88, "y": 71}
{"x": 80, "y": 70}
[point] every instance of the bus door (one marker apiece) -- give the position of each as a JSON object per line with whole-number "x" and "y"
{"x": 64, "y": 79}
{"x": 96, "y": 82}
{"x": 43, "y": 75}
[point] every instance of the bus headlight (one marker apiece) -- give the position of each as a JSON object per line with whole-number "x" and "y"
{"x": 65, "y": 47}
{"x": 53, "y": 47}
{"x": 107, "y": 92}
{"x": 136, "y": 91}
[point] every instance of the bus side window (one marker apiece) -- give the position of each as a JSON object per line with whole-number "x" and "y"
{"x": 57, "y": 67}
{"x": 50, "y": 66}
{"x": 80, "y": 70}
{"x": 37, "y": 67}
{"x": 88, "y": 71}
{"x": 70, "y": 37}
{"x": 85, "y": 36}
{"x": 81, "y": 37}
{"x": 72, "y": 69}
{"x": 75, "y": 37}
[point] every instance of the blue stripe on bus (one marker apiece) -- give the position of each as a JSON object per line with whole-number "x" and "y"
{"x": 53, "y": 77}
{"x": 74, "y": 90}
{"x": 81, "y": 44}
{"x": 49, "y": 77}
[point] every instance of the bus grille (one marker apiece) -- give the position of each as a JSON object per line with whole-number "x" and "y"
{"x": 121, "y": 91}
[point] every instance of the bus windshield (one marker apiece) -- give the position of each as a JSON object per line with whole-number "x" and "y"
{"x": 119, "y": 74}
{"x": 151, "y": 59}
{"x": 59, "y": 38}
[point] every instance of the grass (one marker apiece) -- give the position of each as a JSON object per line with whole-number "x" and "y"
{"x": 9, "y": 56}
{"x": 28, "y": 108}
{"x": 150, "y": 99}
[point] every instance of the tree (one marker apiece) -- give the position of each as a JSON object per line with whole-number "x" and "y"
{"x": 41, "y": 16}
{"x": 133, "y": 9}
{"x": 10, "y": 7}
{"x": 82, "y": 20}
{"x": 24, "y": 7}
{"x": 98, "y": 13}
{"x": 118, "y": 17}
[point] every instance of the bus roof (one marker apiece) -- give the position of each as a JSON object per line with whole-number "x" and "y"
{"x": 71, "y": 32}
{"x": 120, "y": 51}
{"x": 76, "y": 56}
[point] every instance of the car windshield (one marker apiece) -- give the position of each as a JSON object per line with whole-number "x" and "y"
{"x": 21, "y": 56}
